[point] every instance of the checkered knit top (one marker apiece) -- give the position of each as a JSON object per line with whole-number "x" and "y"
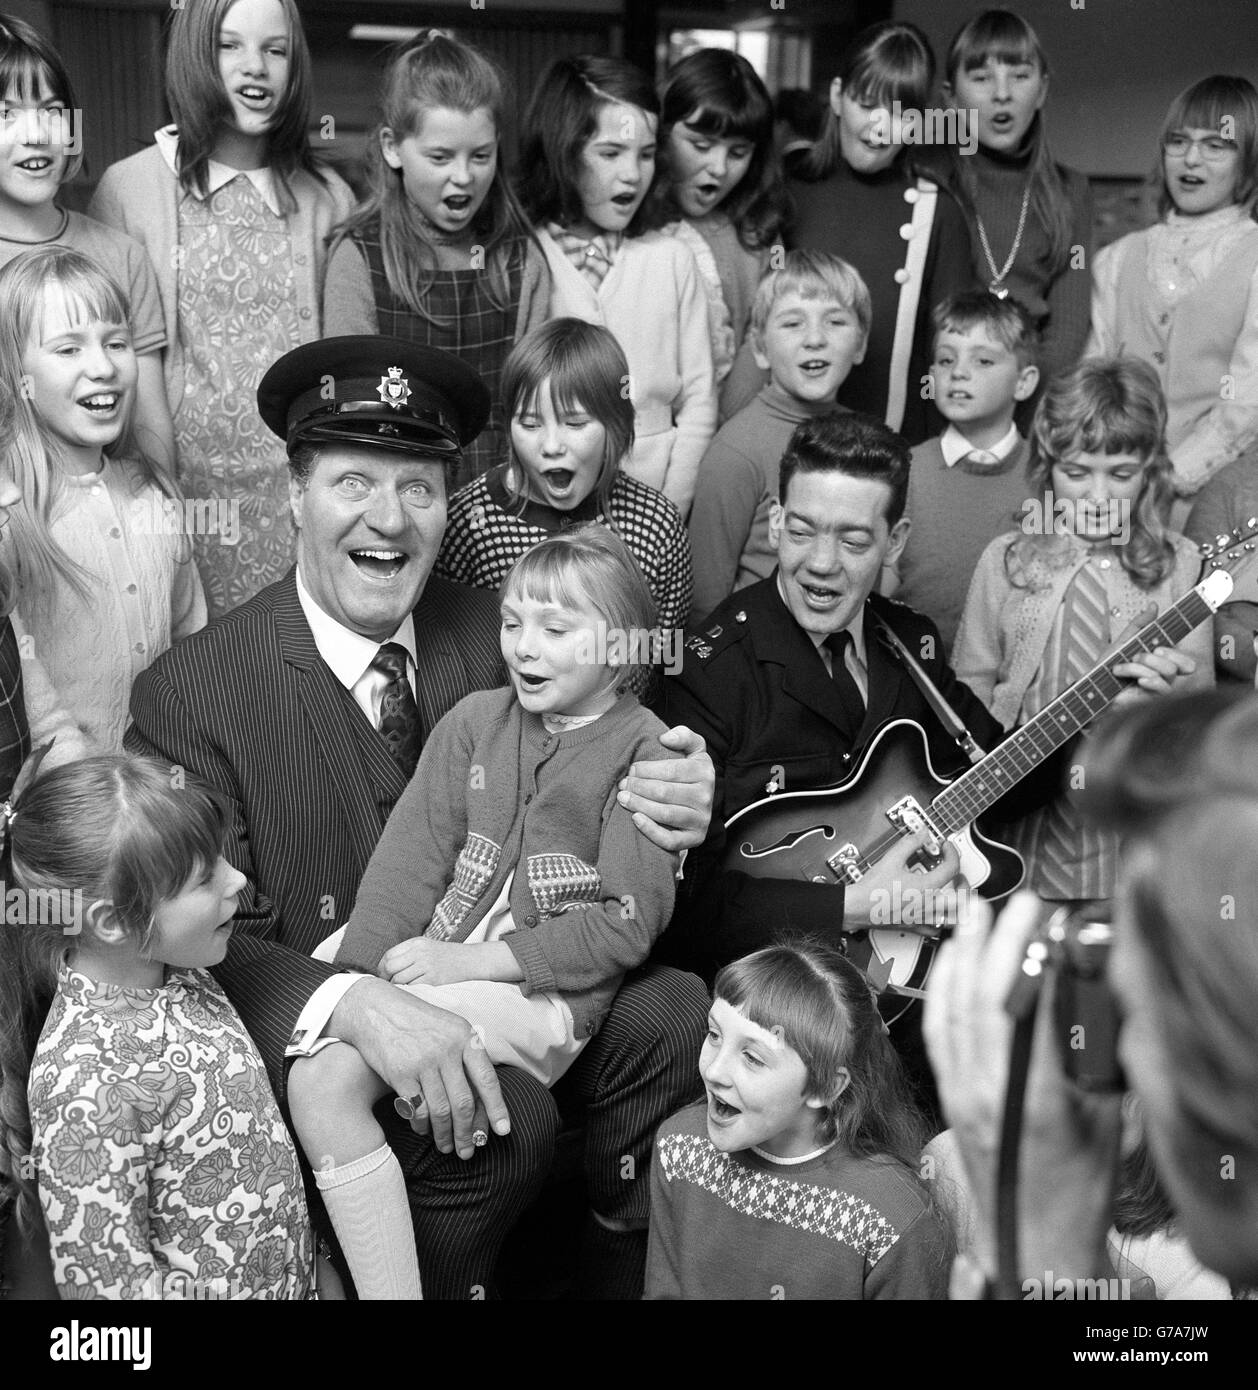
{"x": 736, "y": 1225}
{"x": 489, "y": 528}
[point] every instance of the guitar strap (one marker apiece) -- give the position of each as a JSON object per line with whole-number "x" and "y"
{"x": 944, "y": 712}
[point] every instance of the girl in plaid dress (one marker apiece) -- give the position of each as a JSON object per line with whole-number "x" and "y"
{"x": 449, "y": 258}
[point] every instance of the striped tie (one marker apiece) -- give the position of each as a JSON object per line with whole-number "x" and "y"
{"x": 1085, "y": 637}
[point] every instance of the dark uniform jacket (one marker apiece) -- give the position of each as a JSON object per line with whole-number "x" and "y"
{"x": 755, "y": 686}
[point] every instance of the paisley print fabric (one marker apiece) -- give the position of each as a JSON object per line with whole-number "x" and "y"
{"x": 164, "y": 1168}
{"x": 237, "y": 314}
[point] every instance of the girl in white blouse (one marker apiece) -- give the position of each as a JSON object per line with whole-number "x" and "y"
{"x": 98, "y": 543}
{"x": 1183, "y": 294}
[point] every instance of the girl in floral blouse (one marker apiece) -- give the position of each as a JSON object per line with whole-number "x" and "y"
{"x": 154, "y": 1142}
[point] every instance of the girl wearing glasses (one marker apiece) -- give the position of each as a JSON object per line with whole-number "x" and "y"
{"x": 1183, "y": 294}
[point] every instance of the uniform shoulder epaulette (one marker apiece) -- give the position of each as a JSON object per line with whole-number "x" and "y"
{"x": 714, "y": 637}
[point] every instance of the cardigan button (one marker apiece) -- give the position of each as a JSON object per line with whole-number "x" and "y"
{"x": 901, "y": 276}
{"x": 911, "y": 195}
{"x": 530, "y": 920}
{"x": 528, "y": 798}
{"x": 1115, "y": 611}
{"x": 590, "y": 1028}
{"x": 300, "y": 258}
{"x": 907, "y": 231}
{"x": 305, "y": 313}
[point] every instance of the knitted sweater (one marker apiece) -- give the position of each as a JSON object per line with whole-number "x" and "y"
{"x": 1058, "y": 302}
{"x": 737, "y": 486}
{"x": 955, "y": 512}
{"x": 862, "y": 219}
{"x": 1183, "y": 295}
{"x": 496, "y": 795}
{"x": 652, "y": 300}
{"x": 737, "y": 1226}
{"x": 1005, "y": 629}
{"x": 141, "y": 196}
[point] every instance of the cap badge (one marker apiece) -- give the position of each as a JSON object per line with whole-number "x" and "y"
{"x": 394, "y": 388}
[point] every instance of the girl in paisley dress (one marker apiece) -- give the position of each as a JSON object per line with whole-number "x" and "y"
{"x": 234, "y": 211}
{"x": 146, "y": 1129}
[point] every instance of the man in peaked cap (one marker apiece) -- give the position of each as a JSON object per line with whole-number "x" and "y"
{"x": 307, "y": 707}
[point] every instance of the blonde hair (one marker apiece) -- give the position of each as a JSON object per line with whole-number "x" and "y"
{"x": 35, "y": 456}
{"x": 811, "y": 275}
{"x": 1105, "y": 406}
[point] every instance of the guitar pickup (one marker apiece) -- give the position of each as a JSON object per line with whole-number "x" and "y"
{"x": 907, "y": 815}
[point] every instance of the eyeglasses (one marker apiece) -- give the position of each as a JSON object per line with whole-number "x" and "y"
{"x": 1213, "y": 148}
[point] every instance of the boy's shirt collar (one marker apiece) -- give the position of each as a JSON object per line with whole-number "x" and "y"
{"x": 955, "y": 446}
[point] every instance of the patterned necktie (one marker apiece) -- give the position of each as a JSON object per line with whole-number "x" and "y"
{"x": 1066, "y": 838}
{"x": 844, "y": 682}
{"x": 399, "y": 715}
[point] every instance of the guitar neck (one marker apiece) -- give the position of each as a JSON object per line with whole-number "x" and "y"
{"x": 979, "y": 788}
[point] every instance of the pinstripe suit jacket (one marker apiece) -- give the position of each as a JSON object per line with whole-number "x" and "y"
{"x": 250, "y": 707}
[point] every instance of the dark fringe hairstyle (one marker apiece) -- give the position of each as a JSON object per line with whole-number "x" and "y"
{"x": 585, "y": 367}
{"x": 28, "y": 62}
{"x": 720, "y": 95}
{"x": 561, "y": 116}
{"x": 886, "y": 62}
{"x": 199, "y": 104}
{"x": 1004, "y": 37}
{"x": 828, "y": 1015}
{"x": 435, "y": 70}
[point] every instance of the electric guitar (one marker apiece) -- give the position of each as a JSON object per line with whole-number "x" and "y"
{"x": 836, "y": 834}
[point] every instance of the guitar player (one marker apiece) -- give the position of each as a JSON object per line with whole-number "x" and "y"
{"x": 788, "y": 680}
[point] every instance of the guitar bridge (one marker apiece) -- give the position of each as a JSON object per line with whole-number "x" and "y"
{"x": 907, "y": 815}
{"x": 844, "y": 863}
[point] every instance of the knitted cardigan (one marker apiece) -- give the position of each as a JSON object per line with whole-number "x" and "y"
{"x": 652, "y": 299}
{"x": 140, "y": 195}
{"x": 1005, "y": 630}
{"x": 495, "y": 794}
{"x": 1203, "y": 345}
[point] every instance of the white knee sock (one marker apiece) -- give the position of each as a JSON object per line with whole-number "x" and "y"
{"x": 366, "y": 1200}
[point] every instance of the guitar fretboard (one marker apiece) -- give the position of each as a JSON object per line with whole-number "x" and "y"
{"x": 986, "y": 782}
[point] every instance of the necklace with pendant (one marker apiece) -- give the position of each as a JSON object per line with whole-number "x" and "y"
{"x": 995, "y": 285}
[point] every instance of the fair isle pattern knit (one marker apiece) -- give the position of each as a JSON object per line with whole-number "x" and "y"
{"x": 559, "y": 882}
{"x": 472, "y": 872}
{"x": 835, "y": 1215}
{"x": 488, "y": 530}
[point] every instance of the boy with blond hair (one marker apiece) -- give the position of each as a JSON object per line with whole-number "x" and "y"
{"x": 809, "y": 327}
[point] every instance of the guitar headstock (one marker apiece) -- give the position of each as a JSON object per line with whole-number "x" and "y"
{"x": 1234, "y": 552}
